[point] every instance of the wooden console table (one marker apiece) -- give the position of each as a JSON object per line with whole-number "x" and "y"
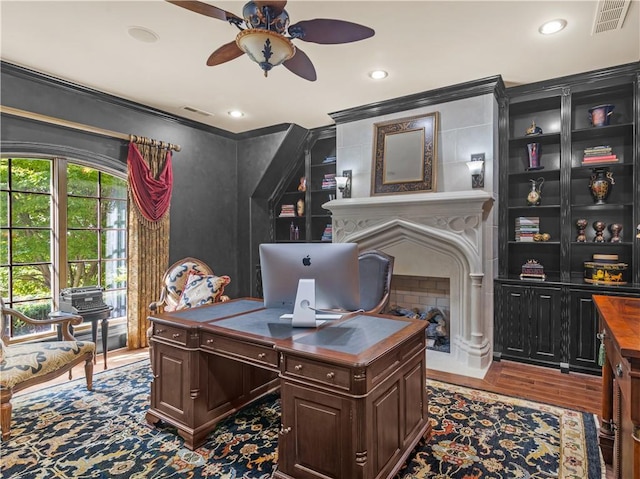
{"x": 353, "y": 395}
{"x": 619, "y": 435}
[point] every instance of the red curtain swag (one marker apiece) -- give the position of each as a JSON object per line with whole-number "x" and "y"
{"x": 151, "y": 195}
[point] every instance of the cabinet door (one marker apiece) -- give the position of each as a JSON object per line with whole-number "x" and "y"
{"x": 583, "y": 328}
{"x": 315, "y": 440}
{"x": 545, "y": 337}
{"x": 515, "y": 321}
{"x": 175, "y": 374}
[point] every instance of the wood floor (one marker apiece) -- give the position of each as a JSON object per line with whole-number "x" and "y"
{"x": 573, "y": 391}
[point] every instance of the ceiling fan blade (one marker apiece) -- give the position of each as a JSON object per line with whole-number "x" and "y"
{"x": 276, "y": 7}
{"x": 301, "y": 66}
{"x": 206, "y": 9}
{"x": 225, "y": 53}
{"x": 327, "y": 31}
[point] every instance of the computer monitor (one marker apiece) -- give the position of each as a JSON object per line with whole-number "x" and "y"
{"x": 332, "y": 267}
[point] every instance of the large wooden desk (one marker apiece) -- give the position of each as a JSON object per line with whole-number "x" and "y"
{"x": 619, "y": 435}
{"x": 353, "y": 394}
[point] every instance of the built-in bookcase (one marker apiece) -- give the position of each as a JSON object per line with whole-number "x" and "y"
{"x": 553, "y": 322}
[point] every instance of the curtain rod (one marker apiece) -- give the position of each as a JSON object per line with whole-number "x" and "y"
{"x": 77, "y": 126}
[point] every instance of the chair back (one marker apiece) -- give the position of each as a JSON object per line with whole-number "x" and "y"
{"x": 175, "y": 279}
{"x": 376, "y": 269}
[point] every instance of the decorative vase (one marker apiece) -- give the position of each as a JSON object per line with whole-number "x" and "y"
{"x": 600, "y": 115}
{"x": 615, "y": 229}
{"x": 600, "y": 185}
{"x": 599, "y": 226}
{"x": 535, "y": 194}
{"x": 582, "y": 225}
{"x": 533, "y": 152}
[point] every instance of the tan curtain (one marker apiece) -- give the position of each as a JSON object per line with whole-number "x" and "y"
{"x": 148, "y": 238}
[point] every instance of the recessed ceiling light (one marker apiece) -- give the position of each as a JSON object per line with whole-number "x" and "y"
{"x": 378, "y": 74}
{"x": 552, "y": 26}
{"x": 143, "y": 34}
{"x": 236, "y": 114}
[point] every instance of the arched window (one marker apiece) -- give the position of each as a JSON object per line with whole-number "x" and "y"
{"x": 62, "y": 224}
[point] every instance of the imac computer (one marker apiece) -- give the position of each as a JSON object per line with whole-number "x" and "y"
{"x": 310, "y": 279}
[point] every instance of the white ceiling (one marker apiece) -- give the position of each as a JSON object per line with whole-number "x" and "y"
{"x": 422, "y": 44}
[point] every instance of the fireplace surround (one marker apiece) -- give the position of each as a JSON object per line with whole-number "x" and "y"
{"x": 437, "y": 235}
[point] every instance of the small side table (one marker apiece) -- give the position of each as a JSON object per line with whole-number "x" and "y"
{"x": 103, "y": 317}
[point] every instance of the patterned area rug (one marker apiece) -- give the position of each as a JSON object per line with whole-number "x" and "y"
{"x": 67, "y": 432}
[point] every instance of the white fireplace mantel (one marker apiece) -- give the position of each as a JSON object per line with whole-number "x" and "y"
{"x": 441, "y": 232}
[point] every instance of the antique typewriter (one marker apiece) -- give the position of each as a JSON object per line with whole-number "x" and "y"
{"x": 86, "y": 300}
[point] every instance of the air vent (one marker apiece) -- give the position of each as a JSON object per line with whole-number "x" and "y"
{"x": 195, "y": 110}
{"x": 610, "y": 15}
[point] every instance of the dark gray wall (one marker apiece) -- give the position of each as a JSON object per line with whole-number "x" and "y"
{"x": 214, "y": 174}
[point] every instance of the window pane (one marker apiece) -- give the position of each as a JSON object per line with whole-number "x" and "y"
{"x": 4, "y": 283}
{"x": 83, "y": 273}
{"x": 118, "y": 300}
{"x": 28, "y": 209}
{"x": 114, "y": 214}
{"x": 114, "y": 274}
{"x": 113, "y": 187}
{"x": 31, "y": 246}
{"x": 4, "y": 173}
{"x": 4, "y": 246}
{"x": 82, "y": 212}
{"x": 31, "y": 282}
{"x": 31, "y": 175}
{"x": 82, "y": 180}
{"x": 82, "y": 244}
{"x": 114, "y": 244}
{"x": 4, "y": 208}
{"x": 35, "y": 310}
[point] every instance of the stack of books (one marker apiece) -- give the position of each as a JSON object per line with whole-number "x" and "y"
{"x": 327, "y": 234}
{"x": 527, "y": 227}
{"x": 598, "y": 154}
{"x": 329, "y": 181}
{"x": 287, "y": 211}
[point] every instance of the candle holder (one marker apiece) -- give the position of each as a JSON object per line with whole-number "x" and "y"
{"x": 581, "y": 224}
{"x": 599, "y": 226}
{"x": 615, "y": 229}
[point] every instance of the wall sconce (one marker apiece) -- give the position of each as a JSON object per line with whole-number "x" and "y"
{"x": 344, "y": 183}
{"x": 476, "y": 167}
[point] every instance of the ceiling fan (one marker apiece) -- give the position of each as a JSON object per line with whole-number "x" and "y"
{"x": 265, "y": 35}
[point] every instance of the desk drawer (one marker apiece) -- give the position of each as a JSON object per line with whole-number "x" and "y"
{"x": 322, "y": 372}
{"x": 253, "y": 352}
{"x": 170, "y": 333}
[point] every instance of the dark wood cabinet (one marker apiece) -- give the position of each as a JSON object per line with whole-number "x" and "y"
{"x": 531, "y": 329}
{"x": 298, "y": 215}
{"x": 561, "y": 109}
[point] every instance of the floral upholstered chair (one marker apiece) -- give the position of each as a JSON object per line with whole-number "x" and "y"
{"x": 23, "y": 365}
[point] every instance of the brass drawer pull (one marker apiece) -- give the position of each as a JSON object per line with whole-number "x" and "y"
{"x": 262, "y": 356}
{"x": 160, "y": 331}
{"x": 298, "y": 367}
{"x": 209, "y": 341}
{"x": 284, "y": 430}
{"x": 331, "y": 375}
{"x": 619, "y": 370}
{"x": 175, "y": 335}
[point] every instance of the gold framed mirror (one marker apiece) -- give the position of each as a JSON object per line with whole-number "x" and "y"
{"x": 405, "y": 155}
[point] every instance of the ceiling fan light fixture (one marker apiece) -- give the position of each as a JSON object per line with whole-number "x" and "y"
{"x": 265, "y": 47}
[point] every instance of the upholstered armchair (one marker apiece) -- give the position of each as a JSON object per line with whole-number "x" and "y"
{"x": 175, "y": 284}
{"x": 376, "y": 270}
{"x": 23, "y": 365}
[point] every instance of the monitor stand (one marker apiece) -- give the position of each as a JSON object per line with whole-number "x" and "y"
{"x": 304, "y": 310}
